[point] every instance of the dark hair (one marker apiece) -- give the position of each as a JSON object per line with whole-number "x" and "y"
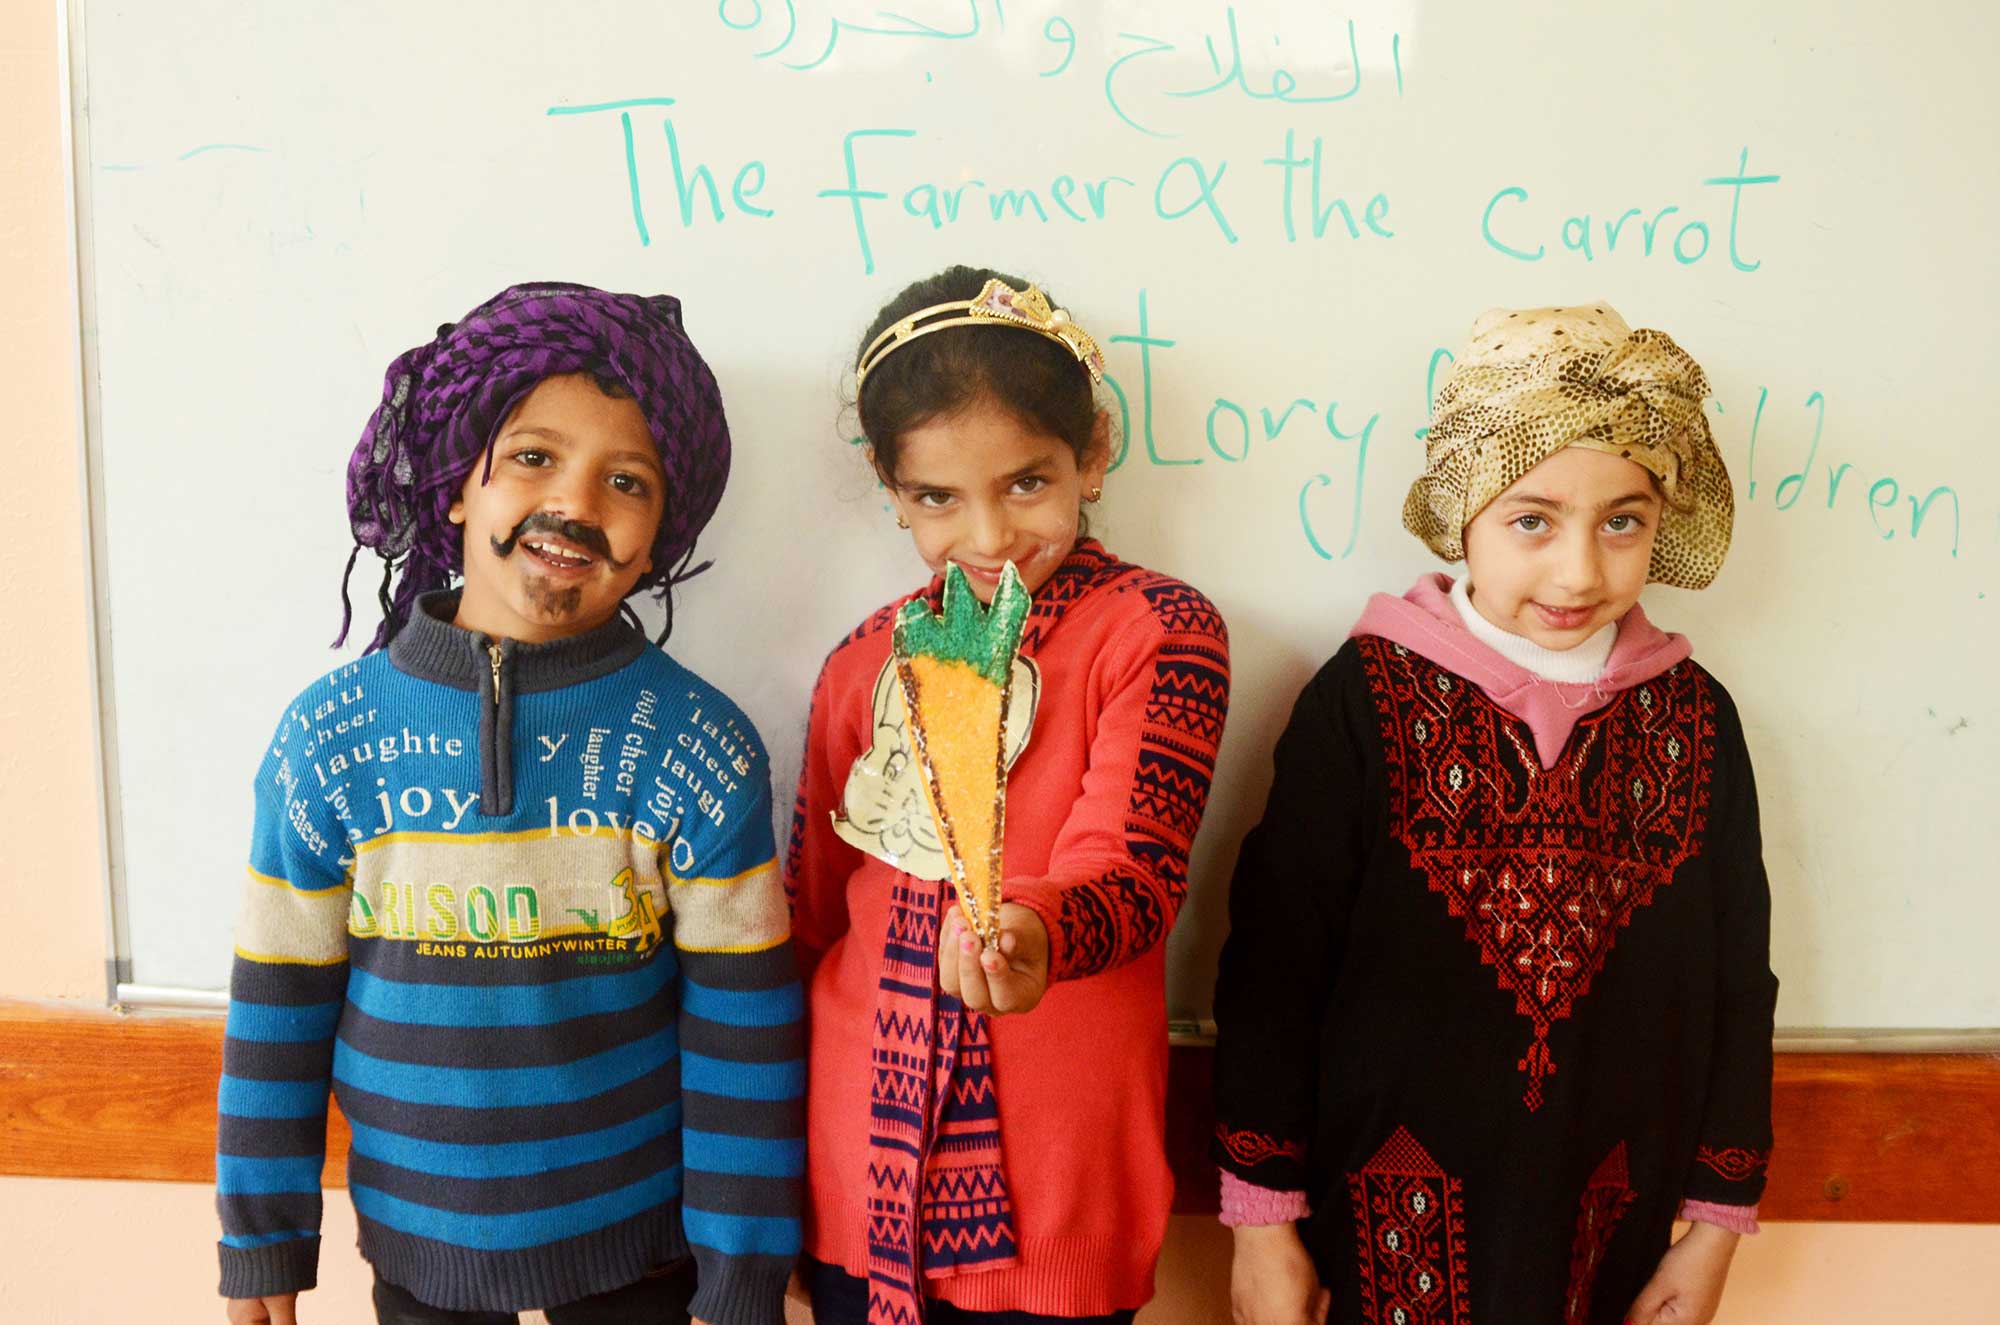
{"x": 935, "y": 376}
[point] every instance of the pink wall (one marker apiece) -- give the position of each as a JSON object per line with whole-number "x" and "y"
{"x": 51, "y": 894}
{"x": 103, "y": 1251}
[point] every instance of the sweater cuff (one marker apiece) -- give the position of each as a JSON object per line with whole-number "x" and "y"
{"x": 740, "y": 1290}
{"x": 1245, "y": 1204}
{"x": 1045, "y": 900}
{"x": 291, "y": 1266}
{"x": 1736, "y": 1218}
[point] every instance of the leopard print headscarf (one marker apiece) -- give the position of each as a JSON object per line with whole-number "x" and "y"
{"x": 1533, "y": 381}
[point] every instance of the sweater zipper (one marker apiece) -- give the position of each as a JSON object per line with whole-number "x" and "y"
{"x": 496, "y": 740}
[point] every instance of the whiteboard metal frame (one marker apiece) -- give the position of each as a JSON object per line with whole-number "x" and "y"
{"x": 74, "y": 133}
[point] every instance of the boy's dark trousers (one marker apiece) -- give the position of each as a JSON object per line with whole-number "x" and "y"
{"x": 660, "y": 1298}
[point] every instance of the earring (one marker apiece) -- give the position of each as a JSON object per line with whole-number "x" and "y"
{"x": 1094, "y": 496}
{"x": 901, "y": 523}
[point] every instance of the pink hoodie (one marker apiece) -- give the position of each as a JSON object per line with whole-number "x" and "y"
{"x": 1425, "y": 622}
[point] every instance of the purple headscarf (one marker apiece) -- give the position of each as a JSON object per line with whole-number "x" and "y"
{"x": 443, "y": 401}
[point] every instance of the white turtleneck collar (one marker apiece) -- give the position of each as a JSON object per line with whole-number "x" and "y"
{"x": 1579, "y": 665}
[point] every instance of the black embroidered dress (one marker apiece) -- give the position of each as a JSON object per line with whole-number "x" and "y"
{"x": 1497, "y": 1021}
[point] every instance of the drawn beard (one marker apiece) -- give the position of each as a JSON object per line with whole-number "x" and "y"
{"x": 552, "y": 600}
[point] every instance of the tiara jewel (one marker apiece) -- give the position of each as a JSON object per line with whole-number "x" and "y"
{"x": 997, "y": 304}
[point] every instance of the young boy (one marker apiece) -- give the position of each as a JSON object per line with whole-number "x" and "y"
{"x": 512, "y": 892}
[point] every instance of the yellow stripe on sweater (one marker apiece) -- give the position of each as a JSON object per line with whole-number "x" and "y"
{"x": 278, "y": 959}
{"x": 520, "y": 835}
{"x": 273, "y": 881}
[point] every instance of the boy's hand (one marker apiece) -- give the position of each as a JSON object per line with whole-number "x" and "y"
{"x": 1272, "y": 1280}
{"x": 1687, "y": 1288}
{"x": 277, "y": 1309}
{"x": 996, "y": 981}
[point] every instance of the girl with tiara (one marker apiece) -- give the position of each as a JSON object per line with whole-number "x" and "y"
{"x": 986, "y": 1118}
{"x": 1496, "y": 1004}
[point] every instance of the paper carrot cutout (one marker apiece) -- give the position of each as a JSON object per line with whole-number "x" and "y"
{"x": 955, "y": 672}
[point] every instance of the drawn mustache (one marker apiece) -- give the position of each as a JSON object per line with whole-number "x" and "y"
{"x": 586, "y": 536}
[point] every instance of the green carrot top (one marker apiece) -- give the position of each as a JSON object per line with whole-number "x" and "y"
{"x": 983, "y": 638}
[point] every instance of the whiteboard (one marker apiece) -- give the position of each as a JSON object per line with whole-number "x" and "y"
{"x": 1274, "y": 214}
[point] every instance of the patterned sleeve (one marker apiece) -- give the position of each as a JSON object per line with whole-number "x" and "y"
{"x": 1734, "y": 1140}
{"x": 1288, "y": 904}
{"x": 742, "y": 1029}
{"x": 1118, "y": 872}
{"x": 286, "y": 988}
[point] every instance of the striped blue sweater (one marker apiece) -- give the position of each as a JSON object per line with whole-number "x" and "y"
{"x": 516, "y": 907}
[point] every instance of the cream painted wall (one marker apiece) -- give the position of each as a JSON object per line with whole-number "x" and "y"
{"x": 116, "y": 1251}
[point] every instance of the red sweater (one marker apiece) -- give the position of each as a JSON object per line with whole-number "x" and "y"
{"x": 1102, "y": 807}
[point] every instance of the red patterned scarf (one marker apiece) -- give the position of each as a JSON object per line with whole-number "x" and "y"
{"x": 934, "y": 1114}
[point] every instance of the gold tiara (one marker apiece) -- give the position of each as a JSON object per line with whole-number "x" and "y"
{"x": 998, "y": 305}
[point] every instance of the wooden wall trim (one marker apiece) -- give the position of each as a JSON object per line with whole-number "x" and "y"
{"x": 87, "y": 1093}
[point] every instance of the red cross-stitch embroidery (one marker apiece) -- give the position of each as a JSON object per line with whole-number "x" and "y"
{"x": 1252, "y": 1148}
{"x": 1409, "y": 1221}
{"x": 1734, "y": 1163}
{"x": 1544, "y": 866}
{"x": 1598, "y": 1211}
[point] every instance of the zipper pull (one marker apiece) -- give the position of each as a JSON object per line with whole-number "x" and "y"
{"x": 493, "y": 656}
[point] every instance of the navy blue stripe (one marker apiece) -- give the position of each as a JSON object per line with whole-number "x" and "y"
{"x": 747, "y": 971}
{"x": 269, "y": 1060}
{"x": 749, "y": 1044}
{"x": 891, "y": 1143}
{"x": 657, "y": 1229}
{"x": 500, "y": 1046}
{"x": 896, "y": 1113}
{"x": 526, "y": 1192}
{"x": 506, "y": 1159}
{"x": 287, "y": 983}
{"x": 506, "y": 1087}
{"x": 513, "y": 1232}
{"x": 270, "y": 1138}
{"x": 489, "y": 1126}
{"x": 766, "y": 1119}
{"x": 745, "y": 1194}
